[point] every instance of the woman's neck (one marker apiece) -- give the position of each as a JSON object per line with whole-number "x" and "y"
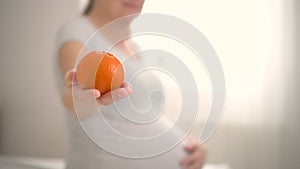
{"x": 118, "y": 28}
{"x": 97, "y": 19}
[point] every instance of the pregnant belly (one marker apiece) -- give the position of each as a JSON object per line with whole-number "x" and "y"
{"x": 99, "y": 159}
{"x": 85, "y": 152}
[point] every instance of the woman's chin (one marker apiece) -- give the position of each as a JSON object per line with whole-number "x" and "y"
{"x": 130, "y": 15}
{"x": 126, "y": 13}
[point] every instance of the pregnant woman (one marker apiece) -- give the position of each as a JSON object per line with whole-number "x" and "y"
{"x": 84, "y": 152}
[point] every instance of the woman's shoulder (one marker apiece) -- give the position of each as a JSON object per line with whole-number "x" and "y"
{"x": 75, "y": 26}
{"x": 76, "y": 29}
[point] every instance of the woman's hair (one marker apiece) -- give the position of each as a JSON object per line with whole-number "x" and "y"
{"x": 89, "y": 7}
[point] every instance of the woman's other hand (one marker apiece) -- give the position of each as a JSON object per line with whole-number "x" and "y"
{"x": 196, "y": 155}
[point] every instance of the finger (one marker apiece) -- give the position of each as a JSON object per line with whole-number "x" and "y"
{"x": 92, "y": 93}
{"x": 126, "y": 85}
{"x": 196, "y": 165}
{"x": 86, "y": 94}
{"x": 191, "y": 159}
{"x": 70, "y": 78}
{"x": 191, "y": 146}
{"x": 114, "y": 95}
{"x": 199, "y": 159}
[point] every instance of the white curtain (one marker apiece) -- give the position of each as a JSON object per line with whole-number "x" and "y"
{"x": 254, "y": 40}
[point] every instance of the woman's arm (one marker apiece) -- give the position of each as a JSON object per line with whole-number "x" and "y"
{"x": 68, "y": 55}
{"x": 67, "y": 59}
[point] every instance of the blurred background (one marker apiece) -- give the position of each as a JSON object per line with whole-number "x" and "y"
{"x": 257, "y": 42}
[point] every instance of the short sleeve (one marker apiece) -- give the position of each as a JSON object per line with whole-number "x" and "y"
{"x": 77, "y": 29}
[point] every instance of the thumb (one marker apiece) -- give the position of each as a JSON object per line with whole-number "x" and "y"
{"x": 70, "y": 78}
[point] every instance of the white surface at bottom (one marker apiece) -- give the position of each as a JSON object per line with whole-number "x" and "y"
{"x": 16, "y": 162}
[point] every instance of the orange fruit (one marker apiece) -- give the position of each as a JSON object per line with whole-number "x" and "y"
{"x": 100, "y": 70}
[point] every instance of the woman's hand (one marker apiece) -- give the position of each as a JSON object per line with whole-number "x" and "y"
{"x": 89, "y": 96}
{"x": 196, "y": 157}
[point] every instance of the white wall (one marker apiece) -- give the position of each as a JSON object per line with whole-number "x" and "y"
{"x": 30, "y": 113}
{"x": 290, "y": 131}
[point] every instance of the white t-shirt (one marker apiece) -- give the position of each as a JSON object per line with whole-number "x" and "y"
{"x": 88, "y": 139}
